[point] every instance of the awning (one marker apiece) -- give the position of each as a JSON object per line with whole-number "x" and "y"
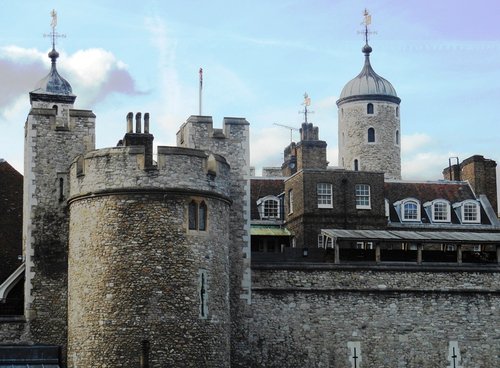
{"x": 268, "y": 230}
{"x": 457, "y": 237}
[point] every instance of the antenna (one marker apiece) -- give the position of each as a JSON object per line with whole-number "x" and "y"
{"x": 306, "y": 103}
{"x": 366, "y": 22}
{"x": 288, "y": 127}
{"x": 53, "y": 24}
{"x": 201, "y": 88}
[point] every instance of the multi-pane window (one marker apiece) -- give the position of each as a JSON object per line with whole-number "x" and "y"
{"x": 363, "y": 196}
{"x": 411, "y": 211}
{"x": 470, "y": 212}
{"x": 290, "y": 201}
{"x": 320, "y": 241}
{"x": 197, "y": 215}
{"x": 440, "y": 211}
{"x": 269, "y": 207}
{"x": 324, "y": 194}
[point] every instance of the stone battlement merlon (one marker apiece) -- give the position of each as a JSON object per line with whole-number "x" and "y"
{"x": 198, "y": 131}
{"x": 124, "y": 168}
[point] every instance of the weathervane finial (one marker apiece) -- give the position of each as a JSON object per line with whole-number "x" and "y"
{"x": 53, "y": 24}
{"x": 367, "y": 20}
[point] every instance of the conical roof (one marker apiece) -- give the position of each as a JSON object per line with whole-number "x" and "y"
{"x": 368, "y": 84}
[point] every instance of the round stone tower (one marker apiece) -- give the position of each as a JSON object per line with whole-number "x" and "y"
{"x": 148, "y": 257}
{"x": 369, "y": 123}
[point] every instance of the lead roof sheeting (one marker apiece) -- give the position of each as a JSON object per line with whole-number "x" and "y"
{"x": 430, "y": 236}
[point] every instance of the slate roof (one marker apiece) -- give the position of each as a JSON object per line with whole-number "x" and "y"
{"x": 262, "y": 187}
{"x": 452, "y": 191}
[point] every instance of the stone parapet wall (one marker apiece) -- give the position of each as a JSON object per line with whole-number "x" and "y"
{"x": 122, "y": 168}
{"x": 311, "y": 318}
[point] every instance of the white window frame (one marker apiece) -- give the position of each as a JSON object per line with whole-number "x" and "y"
{"x": 363, "y": 195}
{"x": 436, "y": 203}
{"x": 403, "y": 212}
{"x": 320, "y": 241}
{"x": 462, "y": 207}
{"x": 290, "y": 201}
{"x": 261, "y": 204}
{"x": 324, "y": 195}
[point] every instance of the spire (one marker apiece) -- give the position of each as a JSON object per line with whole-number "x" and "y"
{"x": 53, "y": 84}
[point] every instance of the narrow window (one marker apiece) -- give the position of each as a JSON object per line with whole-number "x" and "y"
{"x": 320, "y": 241}
{"x": 356, "y": 165}
{"x": 202, "y": 216}
{"x": 397, "y": 111}
{"x": 193, "y": 215}
{"x": 369, "y": 108}
{"x": 324, "y": 195}
{"x": 56, "y": 108}
{"x": 371, "y": 135}
{"x": 203, "y": 290}
{"x": 290, "y": 201}
{"x": 61, "y": 189}
{"x": 397, "y": 137}
{"x": 363, "y": 196}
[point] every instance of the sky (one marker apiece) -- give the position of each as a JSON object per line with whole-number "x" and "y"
{"x": 259, "y": 58}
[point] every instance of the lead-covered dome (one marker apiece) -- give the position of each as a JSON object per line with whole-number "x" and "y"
{"x": 368, "y": 84}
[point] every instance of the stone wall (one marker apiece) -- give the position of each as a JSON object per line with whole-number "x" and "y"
{"x": 382, "y": 155}
{"x": 134, "y": 276}
{"x": 306, "y": 317}
{"x": 55, "y": 134}
{"x": 232, "y": 142}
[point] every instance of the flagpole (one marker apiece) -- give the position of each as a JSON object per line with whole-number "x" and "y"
{"x": 201, "y": 87}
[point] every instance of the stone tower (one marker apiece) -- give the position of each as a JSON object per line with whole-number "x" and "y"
{"x": 55, "y": 133}
{"x": 369, "y": 123}
{"x": 151, "y": 248}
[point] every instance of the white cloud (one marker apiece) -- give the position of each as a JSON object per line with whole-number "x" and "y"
{"x": 411, "y": 143}
{"x": 22, "y": 55}
{"x": 267, "y": 146}
{"x": 425, "y": 166}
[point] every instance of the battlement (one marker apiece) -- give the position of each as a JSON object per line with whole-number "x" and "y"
{"x": 198, "y": 132}
{"x": 124, "y": 169}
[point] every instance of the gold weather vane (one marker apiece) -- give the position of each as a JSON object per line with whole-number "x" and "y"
{"x": 306, "y": 103}
{"x": 53, "y": 25}
{"x": 366, "y": 22}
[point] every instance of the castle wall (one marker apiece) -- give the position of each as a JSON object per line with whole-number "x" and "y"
{"x": 135, "y": 267}
{"x": 232, "y": 142}
{"x": 307, "y": 317}
{"x": 382, "y": 155}
{"x": 54, "y": 137}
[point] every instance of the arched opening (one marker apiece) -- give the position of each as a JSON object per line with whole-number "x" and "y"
{"x": 369, "y": 108}
{"x": 371, "y": 135}
{"x": 397, "y": 137}
{"x": 356, "y": 165}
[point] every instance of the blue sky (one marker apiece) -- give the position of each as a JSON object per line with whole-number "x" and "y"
{"x": 259, "y": 57}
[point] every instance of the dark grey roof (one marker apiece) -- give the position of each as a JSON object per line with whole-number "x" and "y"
{"x": 368, "y": 83}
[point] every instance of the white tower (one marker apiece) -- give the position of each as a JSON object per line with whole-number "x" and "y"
{"x": 369, "y": 122}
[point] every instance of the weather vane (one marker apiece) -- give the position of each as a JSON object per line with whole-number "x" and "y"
{"x": 306, "y": 103}
{"x": 366, "y": 22}
{"x": 53, "y": 25}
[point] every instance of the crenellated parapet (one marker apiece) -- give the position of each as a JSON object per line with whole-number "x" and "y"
{"x": 124, "y": 169}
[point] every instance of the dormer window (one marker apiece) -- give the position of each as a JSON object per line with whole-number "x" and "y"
{"x": 468, "y": 211}
{"x": 269, "y": 207}
{"x": 409, "y": 209}
{"x": 440, "y": 210}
